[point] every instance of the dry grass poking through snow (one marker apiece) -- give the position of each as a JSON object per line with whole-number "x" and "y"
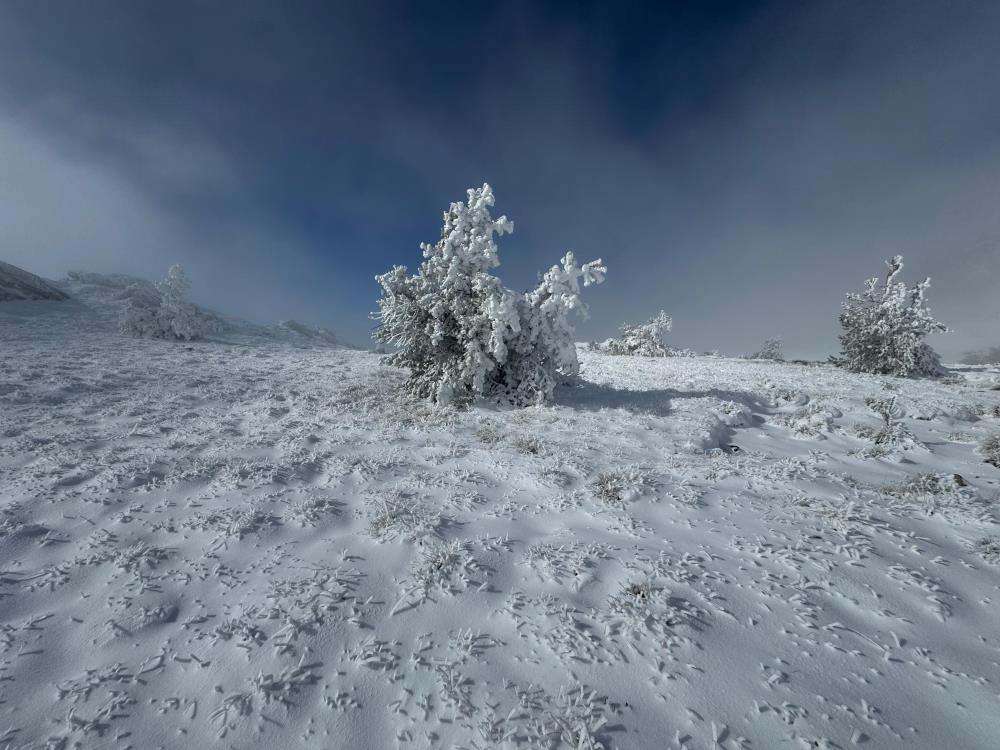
{"x": 989, "y": 449}
{"x": 989, "y": 548}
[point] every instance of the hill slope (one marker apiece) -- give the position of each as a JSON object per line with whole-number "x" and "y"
{"x": 260, "y": 545}
{"x": 108, "y": 294}
{"x": 18, "y": 284}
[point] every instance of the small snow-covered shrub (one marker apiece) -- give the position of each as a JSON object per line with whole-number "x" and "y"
{"x": 462, "y": 334}
{"x": 166, "y": 315}
{"x": 989, "y": 449}
{"x": 770, "y": 350}
{"x": 884, "y": 327}
{"x": 810, "y": 420}
{"x": 892, "y": 434}
{"x": 643, "y": 340}
{"x": 943, "y": 494}
{"x": 927, "y": 484}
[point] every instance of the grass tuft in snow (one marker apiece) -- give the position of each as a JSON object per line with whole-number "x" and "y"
{"x": 527, "y": 445}
{"x": 927, "y": 484}
{"x": 489, "y": 434}
{"x": 937, "y": 493}
{"x": 989, "y": 449}
{"x": 643, "y": 607}
{"x": 811, "y": 420}
{"x": 139, "y": 556}
{"x": 397, "y": 514}
{"x": 309, "y": 511}
{"x": 620, "y": 486}
{"x": 989, "y": 548}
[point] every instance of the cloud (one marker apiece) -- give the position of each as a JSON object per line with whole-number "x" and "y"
{"x": 64, "y": 207}
{"x": 741, "y": 172}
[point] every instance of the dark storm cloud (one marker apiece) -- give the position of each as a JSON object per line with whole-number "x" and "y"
{"x": 740, "y": 166}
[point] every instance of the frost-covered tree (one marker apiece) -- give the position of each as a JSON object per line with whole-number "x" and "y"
{"x": 180, "y": 318}
{"x": 166, "y": 314}
{"x": 643, "y": 340}
{"x": 772, "y": 349}
{"x": 884, "y": 327}
{"x": 462, "y": 334}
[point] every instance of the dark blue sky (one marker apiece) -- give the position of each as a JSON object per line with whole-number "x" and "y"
{"x": 740, "y": 165}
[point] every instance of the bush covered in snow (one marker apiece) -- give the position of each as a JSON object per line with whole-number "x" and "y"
{"x": 884, "y": 327}
{"x": 462, "y": 334}
{"x": 644, "y": 340}
{"x": 770, "y": 350}
{"x": 166, "y": 314}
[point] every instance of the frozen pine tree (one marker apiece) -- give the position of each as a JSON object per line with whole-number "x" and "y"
{"x": 462, "y": 334}
{"x": 645, "y": 339}
{"x": 167, "y": 314}
{"x": 541, "y": 350}
{"x": 180, "y": 318}
{"x": 884, "y": 327}
{"x": 772, "y": 349}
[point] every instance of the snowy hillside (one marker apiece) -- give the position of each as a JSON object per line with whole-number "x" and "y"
{"x": 246, "y": 543}
{"x": 103, "y": 297}
{"x": 18, "y": 284}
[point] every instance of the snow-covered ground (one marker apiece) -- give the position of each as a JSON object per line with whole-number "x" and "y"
{"x": 258, "y": 541}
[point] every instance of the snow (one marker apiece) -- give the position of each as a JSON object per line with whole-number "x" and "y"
{"x": 262, "y": 541}
{"x": 18, "y": 284}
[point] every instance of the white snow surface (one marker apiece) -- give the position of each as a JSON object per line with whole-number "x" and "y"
{"x": 18, "y": 284}
{"x": 255, "y": 542}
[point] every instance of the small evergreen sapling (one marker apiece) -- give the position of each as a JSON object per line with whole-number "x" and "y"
{"x": 462, "y": 334}
{"x": 166, "y": 315}
{"x": 772, "y": 350}
{"x": 884, "y": 327}
{"x": 644, "y": 340}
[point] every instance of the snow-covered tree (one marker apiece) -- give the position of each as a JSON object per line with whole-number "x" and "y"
{"x": 643, "y": 340}
{"x": 166, "y": 315}
{"x": 884, "y": 327}
{"x": 772, "y": 349}
{"x": 462, "y": 334}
